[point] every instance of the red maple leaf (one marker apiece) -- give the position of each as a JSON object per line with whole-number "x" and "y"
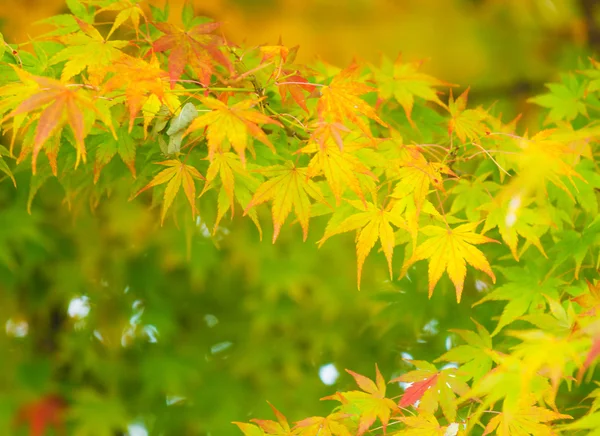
{"x": 197, "y": 47}
{"x": 47, "y": 412}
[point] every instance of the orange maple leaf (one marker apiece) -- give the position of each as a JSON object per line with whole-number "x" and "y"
{"x": 197, "y": 47}
{"x": 141, "y": 80}
{"x": 341, "y": 100}
{"x": 59, "y": 104}
{"x": 177, "y": 174}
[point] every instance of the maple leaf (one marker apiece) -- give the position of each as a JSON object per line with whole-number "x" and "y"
{"x": 471, "y": 194}
{"x": 275, "y": 428}
{"x": 250, "y": 429}
{"x": 589, "y": 301}
{"x": 197, "y": 47}
{"x": 177, "y": 174}
{"x": 294, "y": 85}
{"x": 229, "y": 169}
{"x": 127, "y": 10}
{"x": 564, "y": 99}
{"x": 77, "y": 53}
{"x": 142, "y": 81}
{"x": 341, "y": 100}
{"x": 432, "y": 387}
{"x": 545, "y": 158}
{"x": 370, "y": 404}
{"x": 514, "y": 219}
{"x": 59, "y": 104}
{"x": 526, "y": 419}
{"x": 327, "y": 426}
{"x": 450, "y": 250}
{"x": 340, "y": 167}
{"x": 404, "y": 82}
{"x": 524, "y": 292}
{"x": 475, "y": 358}
{"x": 288, "y": 186}
{"x": 425, "y": 424}
{"x": 236, "y": 124}
{"x": 109, "y": 146}
{"x": 416, "y": 175}
{"x": 371, "y": 223}
{"x": 466, "y": 123}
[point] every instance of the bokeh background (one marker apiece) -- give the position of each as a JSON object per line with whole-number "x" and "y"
{"x": 171, "y": 331}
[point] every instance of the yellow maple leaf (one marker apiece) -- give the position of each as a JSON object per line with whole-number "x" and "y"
{"x": 236, "y": 124}
{"x": 450, "y": 250}
{"x": 424, "y": 424}
{"x": 289, "y": 187}
{"x": 341, "y": 100}
{"x": 416, "y": 175}
{"x": 466, "y": 123}
{"x": 127, "y": 9}
{"x": 526, "y": 419}
{"x": 340, "y": 167}
{"x": 229, "y": 169}
{"x": 372, "y": 223}
{"x": 177, "y": 174}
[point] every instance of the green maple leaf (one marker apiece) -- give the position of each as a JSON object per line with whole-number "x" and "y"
{"x": 524, "y": 292}
{"x": 564, "y": 99}
{"x": 77, "y": 53}
{"x": 475, "y": 358}
{"x": 404, "y": 82}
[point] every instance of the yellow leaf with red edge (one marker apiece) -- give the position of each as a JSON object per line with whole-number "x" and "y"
{"x": 340, "y": 167}
{"x": 289, "y": 187}
{"x": 450, "y": 250}
{"x": 370, "y": 404}
{"x": 281, "y": 427}
{"x": 177, "y": 174}
{"x": 232, "y": 126}
{"x": 341, "y": 100}
{"x": 466, "y": 123}
{"x": 372, "y": 223}
{"x": 526, "y": 419}
{"x": 59, "y": 104}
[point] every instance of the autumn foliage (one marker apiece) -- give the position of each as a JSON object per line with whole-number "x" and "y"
{"x": 387, "y": 153}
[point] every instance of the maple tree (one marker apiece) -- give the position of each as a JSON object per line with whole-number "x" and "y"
{"x": 383, "y": 152}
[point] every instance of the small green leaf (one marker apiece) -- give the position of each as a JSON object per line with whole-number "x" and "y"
{"x": 77, "y": 9}
{"x": 187, "y": 15}
{"x": 2, "y": 45}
